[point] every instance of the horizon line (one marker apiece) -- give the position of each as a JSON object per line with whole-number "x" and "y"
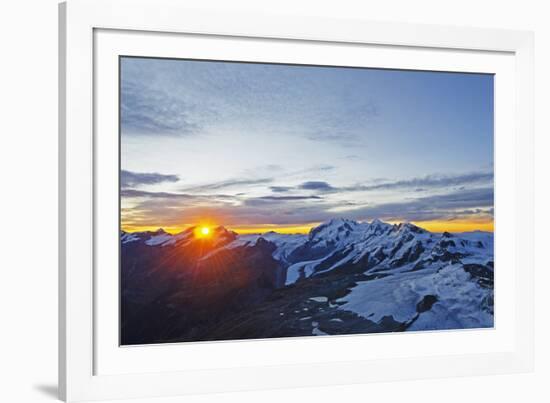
{"x": 454, "y": 226}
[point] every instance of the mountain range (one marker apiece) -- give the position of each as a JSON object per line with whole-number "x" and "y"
{"x": 344, "y": 277}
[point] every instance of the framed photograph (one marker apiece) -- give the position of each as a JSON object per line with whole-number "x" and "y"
{"x": 255, "y": 201}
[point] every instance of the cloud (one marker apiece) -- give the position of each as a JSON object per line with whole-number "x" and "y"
{"x": 281, "y": 189}
{"x": 353, "y": 157}
{"x": 130, "y": 179}
{"x": 231, "y": 183}
{"x": 185, "y": 97}
{"x": 321, "y": 168}
{"x": 346, "y": 128}
{"x": 437, "y": 207}
{"x": 316, "y": 185}
{"x": 280, "y": 199}
{"x": 421, "y": 184}
{"x": 429, "y": 181}
{"x": 147, "y": 111}
{"x": 169, "y": 209}
{"x": 134, "y": 193}
{"x": 315, "y": 170}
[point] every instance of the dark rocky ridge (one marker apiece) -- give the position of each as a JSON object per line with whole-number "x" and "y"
{"x": 229, "y": 287}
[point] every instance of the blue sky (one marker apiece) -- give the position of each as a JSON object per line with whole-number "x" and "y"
{"x": 254, "y": 145}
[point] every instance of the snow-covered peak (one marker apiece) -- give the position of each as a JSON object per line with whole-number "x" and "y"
{"x": 127, "y": 237}
{"x": 186, "y": 233}
{"x": 143, "y": 236}
{"x": 221, "y": 235}
{"x": 407, "y": 227}
{"x": 377, "y": 227}
{"x": 160, "y": 237}
{"x": 335, "y": 228}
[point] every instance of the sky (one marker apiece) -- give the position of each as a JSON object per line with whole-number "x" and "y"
{"x": 259, "y": 147}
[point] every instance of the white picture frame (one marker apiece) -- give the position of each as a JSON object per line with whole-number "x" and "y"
{"x": 84, "y": 343}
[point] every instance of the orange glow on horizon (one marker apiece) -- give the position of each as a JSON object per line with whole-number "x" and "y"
{"x": 457, "y": 226}
{"x": 143, "y": 228}
{"x": 290, "y": 229}
{"x": 433, "y": 226}
{"x": 203, "y": 231}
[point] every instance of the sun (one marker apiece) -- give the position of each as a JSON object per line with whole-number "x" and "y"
{"x": 203, "y": 231}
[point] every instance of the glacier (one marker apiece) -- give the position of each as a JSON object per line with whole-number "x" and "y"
{"x": 347, "y": 277}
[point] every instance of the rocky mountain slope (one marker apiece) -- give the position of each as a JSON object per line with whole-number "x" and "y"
{"x": 344, "y": 277}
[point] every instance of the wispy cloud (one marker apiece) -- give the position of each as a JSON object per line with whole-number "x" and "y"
{"x": 147, "y": 111}
{"x": 346, "y": 129}
{"x": 316, "y": 185}
{"x": 278, "y": 199}
{"x": 160, "y": 208}
{"x": 129, "y": 179}
{"x": 133, "y": 193}
{"x": 437, "y": 207}
{"x": 143, "y": 194}
{"x": 421, "y": 184}
{"x": 430, "y": 181}
{"x": 231, "y": 183}
{"x": 182, "y": 98}
{"x": 281, "y": 189}
{"x": 270, "y": 135}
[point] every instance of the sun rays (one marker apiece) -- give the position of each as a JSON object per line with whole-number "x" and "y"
{"x": 203, "y": 231}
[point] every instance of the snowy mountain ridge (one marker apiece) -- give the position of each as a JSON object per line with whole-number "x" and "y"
{"x": 363, "y": 277}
